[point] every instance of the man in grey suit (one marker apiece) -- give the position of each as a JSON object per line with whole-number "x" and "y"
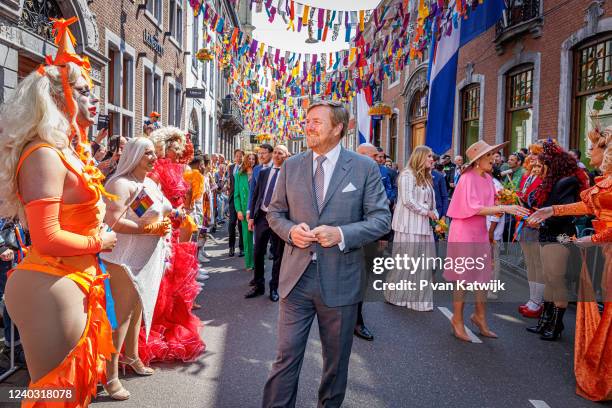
{"x": 328, "y": 203}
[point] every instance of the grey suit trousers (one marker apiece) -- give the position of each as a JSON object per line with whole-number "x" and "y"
{"x": 336, "y": 324}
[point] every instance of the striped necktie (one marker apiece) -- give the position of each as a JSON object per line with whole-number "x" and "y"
{"x": 319, "y": 181}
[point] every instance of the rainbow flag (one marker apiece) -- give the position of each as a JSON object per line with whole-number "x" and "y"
{"x": 142, "y": 203}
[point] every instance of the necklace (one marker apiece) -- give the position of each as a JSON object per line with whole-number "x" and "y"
{"x": 131, "y": 175}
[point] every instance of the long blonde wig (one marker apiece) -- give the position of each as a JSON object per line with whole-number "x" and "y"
{"x": 416, "y": 164}
{"x": 603, "y": 140}
{"x": 34, "y": 111}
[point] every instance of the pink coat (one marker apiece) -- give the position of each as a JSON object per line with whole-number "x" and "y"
{"x": 468, "y": 236}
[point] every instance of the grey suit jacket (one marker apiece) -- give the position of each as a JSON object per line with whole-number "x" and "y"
{"x": 362, "y": 214}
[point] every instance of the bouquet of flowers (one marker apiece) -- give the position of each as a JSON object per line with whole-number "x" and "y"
{"x": 508, "y": 195}
{"x": 440, "y": 228}
{"x": 204, "y": 55}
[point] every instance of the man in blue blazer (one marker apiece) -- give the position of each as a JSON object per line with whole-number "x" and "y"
{"x": 439, "y": 184}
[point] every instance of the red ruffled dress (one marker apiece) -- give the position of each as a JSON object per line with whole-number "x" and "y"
{"x": 175, "y": 329}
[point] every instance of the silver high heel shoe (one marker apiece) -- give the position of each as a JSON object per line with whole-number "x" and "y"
{"x": 137, "y": 366}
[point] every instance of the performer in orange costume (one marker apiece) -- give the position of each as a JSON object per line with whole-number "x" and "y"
{"x": 56, "y": 294}
{"x": 593, "y": 348}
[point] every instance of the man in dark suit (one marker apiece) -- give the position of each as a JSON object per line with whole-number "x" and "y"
{"x": 264, "y": 159}
{"x": 233, "y": 216}
{"x": 260, "y": 200}
{"x": 448, "y": 167}
{"x": 440, "y": 190}
{"x": 327, "y": 205}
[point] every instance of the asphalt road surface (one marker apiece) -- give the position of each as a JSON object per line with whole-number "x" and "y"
{"x": 414, "y": 360}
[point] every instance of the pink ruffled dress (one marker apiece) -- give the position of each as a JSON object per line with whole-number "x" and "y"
{"x": 175, "y": 331}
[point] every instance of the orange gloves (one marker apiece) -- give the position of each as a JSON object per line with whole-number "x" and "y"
{"x": 158, "y": 228}
{"x": 48, "y": 237}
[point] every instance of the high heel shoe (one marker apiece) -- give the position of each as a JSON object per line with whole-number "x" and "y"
{"x": 544, "y": 319}
{"x": 137, "y": 366}
{"x": 119, "y": 395}
{"x": 460, "y": 336}
{"x": 484, "y": 331}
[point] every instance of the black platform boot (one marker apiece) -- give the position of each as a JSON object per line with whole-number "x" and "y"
{"x": 553, "y": 329}
{"x": 544, "y": 319}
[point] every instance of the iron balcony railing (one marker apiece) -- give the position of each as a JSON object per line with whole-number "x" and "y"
{"x": 517, "y": 12}
{"x": 232, "y": 114}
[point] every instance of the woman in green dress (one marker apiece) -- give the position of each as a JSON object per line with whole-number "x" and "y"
{"x": 241, "y": 202}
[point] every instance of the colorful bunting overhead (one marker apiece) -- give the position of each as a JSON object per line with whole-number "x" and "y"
{"x": 273, "y": 85}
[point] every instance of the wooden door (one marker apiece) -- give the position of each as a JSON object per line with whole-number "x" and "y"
{"x": 418, "y": 134}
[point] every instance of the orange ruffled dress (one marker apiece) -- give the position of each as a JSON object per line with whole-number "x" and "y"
{"x": 85, "y": 366}
{"x": 593, "y": 348}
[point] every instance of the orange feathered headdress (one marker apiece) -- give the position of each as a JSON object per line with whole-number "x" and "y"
{"x": 65, "y": 41}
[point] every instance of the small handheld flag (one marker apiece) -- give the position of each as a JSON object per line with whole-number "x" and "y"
{"x": 142, "y": 203}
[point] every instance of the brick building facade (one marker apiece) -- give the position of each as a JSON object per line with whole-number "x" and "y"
{"x": 136, "y": 49}
{"x": 540, "y": 74}
{"x": 144, "y": 44}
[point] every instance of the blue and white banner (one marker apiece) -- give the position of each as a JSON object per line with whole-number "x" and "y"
{"x": 364, "y": 122}
{"x": 442, "y": 74}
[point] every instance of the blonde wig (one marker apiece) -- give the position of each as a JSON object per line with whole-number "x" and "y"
{"x": 603, "y": 140}
{"x": 163, "y": 137}
{"x": 416, "y": 164}
{"x": 33, "y": 112}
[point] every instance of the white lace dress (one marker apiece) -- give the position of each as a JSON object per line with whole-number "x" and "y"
{"x": 143, "y": 257}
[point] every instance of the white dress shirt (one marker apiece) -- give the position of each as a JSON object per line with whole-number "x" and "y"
{"x": 328, "y": 168}
{"x": 268, "y": 186}
{"x": 328, "y": 165}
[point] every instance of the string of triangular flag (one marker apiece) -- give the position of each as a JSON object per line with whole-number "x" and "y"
{"x": 275, "y": 76}
{"x": 298, "y": 15}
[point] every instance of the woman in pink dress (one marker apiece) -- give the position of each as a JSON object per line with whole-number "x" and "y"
{"x": 473, "y": 200}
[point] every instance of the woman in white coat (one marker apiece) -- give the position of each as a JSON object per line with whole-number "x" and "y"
{"x": 413, "y": 234}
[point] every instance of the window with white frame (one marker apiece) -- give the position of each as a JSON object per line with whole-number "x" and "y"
{"x": 127, "y": 94}
{"x": 393, "y": 137}
{"x": 120, "y": 88}
{"x": 154, "y": 7}
{"x": 157, "y": 81}
{"x": 152, "y": 89}
{"x": 394, "y": 77}
{"x": 194, "y": 42}
{"x": 211, "y": 130}
{"x": 175, "y": 21}
{"x": 204, "y": 141}
{"x": 171, "y": 109}
{"x": 175, "y": 105}
{"x": 205, "y": 71}
{"x": 178, "y": 105}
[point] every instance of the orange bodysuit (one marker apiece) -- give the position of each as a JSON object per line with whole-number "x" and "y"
{"x": 75, "y": 244}
{"x": 593, "y": 348}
